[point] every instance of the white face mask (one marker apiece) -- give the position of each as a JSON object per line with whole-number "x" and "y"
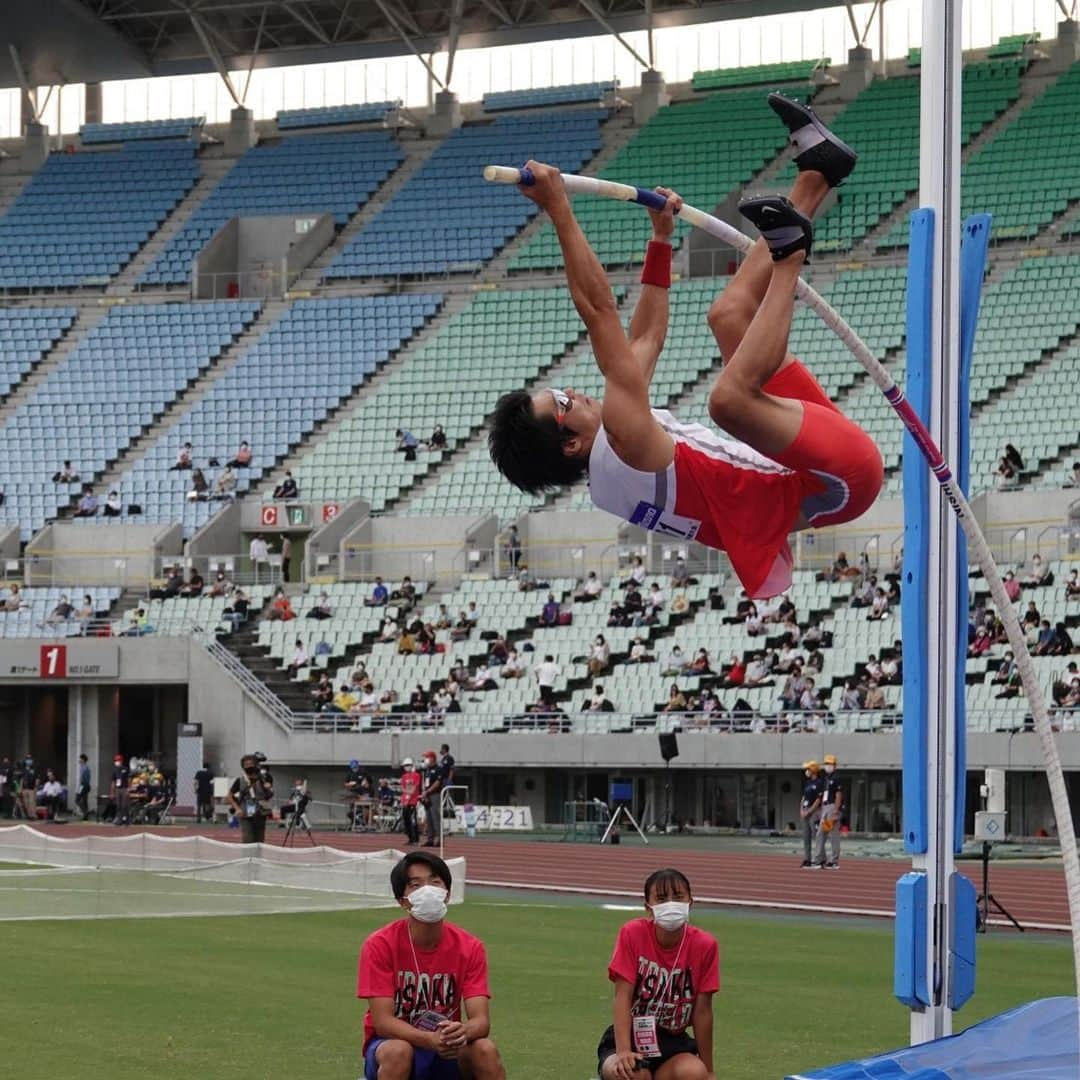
{"x": 672, "y": 915}
{"x": 830, "y": 769}
{"x": 428, "y": 904}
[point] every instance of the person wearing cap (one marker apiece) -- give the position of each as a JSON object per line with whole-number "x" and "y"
{"x": 411, "y": 783}
{"x": 810, "y": 808}
{"x": 359, "y": 789}
{"x": 426, "y": 985}
{"x": 118, "y": 791}
{"x": 832, "y": 803}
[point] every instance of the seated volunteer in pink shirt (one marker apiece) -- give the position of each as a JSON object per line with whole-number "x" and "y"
{"x": 665, "y": 973}
{"x": 416, "y": 974}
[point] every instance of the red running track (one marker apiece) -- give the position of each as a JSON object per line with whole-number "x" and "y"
{"x": 1034, "y": 893}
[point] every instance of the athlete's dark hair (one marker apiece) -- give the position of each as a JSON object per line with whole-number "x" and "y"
{"x": 528, "y": 450}
{"x": 668, "y": 877}
{"x": 399, "y": 876}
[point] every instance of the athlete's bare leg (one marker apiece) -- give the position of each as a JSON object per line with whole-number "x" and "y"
{"x": 732, "y": 311}
{"x": 738, "y": 402}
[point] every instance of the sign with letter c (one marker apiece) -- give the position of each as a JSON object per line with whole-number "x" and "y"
{"x": 269, "y": 515}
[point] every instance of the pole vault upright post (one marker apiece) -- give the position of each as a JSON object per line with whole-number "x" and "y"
{"x": 926, "y": 941}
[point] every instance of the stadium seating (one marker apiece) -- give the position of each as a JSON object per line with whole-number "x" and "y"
{"x": 773, "y": 74}
{"x": 26, "y": 335}
{"x": 1013, "y": 45}
{"x": 454, "y": 380}
{"x": 311, "y": 359}
{"x": 702, "y": 148}
{"x": 179, "y": 128}
{"x": 111, "y": 388}
{"x": 447, "y": 216}
{"x": 547, "y": 96}
{"x": 335, "y": 114}
{"x": 30, "y": 621}
{"x": 882, "y": 123}
{"x": 303, "y": 174}
{"x": 82, "y": 217}
{"x": 1029, "y": 173}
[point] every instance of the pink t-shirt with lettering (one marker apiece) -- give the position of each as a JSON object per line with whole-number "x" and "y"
{"x": 665, "y": 981}
{"x": 427, "y": 980}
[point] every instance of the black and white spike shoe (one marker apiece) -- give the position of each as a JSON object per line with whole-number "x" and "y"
{"x": 818, "y": 148}
{"x": 783, "y": 228}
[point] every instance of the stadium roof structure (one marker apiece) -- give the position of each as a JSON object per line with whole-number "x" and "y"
{"x": 73, "y": 41}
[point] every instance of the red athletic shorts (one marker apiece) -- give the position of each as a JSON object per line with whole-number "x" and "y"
{"x": 833, "y": 448}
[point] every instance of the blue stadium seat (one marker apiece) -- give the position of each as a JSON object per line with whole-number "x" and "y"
{"x": 572, "y": 94}
{"x": 26, "y": 334}
{"x": 336, "y": 114}
{"x": 179, "y": 128}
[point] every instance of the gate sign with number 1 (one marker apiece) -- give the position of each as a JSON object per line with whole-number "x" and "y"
{"x": 53, "y": 663}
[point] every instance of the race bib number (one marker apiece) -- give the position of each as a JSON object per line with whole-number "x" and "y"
{"x": 251, "y": 808}
{"x": 646, "y": 1041}
{"x": 656, "y": 519}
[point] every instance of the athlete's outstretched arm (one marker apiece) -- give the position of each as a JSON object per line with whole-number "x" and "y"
{"x": 649, "y": 325}
{"x": 636, "y": 437}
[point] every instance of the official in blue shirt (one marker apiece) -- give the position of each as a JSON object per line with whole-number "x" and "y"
{"x": 810, "y": 808}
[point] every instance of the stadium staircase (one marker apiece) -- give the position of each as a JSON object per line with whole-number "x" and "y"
{"x": 89, "y": 315}
{"x": 417, "y": 151}
{"x": 11, "y": 184}
{"x": 211, "y": 172}
{"x": 175, "y": 410}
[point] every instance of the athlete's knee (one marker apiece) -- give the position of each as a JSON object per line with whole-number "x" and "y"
{"x": 395, "y": 1059}
{"x": 728, "y": 398}
{"x": 729, "y": 316}
{"x": 683, "y": 1067}
{"x": 484, "y": 1060}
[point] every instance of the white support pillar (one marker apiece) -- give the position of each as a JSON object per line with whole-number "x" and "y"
{"x": 939, "y": 190}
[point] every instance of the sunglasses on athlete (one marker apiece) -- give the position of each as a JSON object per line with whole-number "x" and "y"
{"x": 563, "y": 404}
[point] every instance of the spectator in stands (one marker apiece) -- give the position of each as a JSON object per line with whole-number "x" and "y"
{"x": 259, "y": 554}
{"x": 344, "y": 701}
{"x": 756, "y": 672}
{"x": 281, "y": 609}
{"x": 239, "y": 605}
{"x": 194, "y": 586}
{"x": 599, "y": 659}
{"x": 1040, "y": 574}
{"x": 225, "y": 484}
{"x": 637, "y": 573}
{"x": 850, "y": 699}
{"x": 790, "y": 656}
{"x": 287, "y": 489}
{"x": 654, "y": 604}
{"x": 679, "y": 604}
{"x": 242, "y": 459}
{"x": 323, "y": 692}
{"x": 864, "y": 597}
{"x": 174, "y": 582}
{"x": 890, "y": 669}
{"x": 286, "y": 557}
{"x": 1072, "y": 587}
{"x": 1045, "y": 639}
{"x": 498, "y": 649}
{"x": 322, "y": 609}
{"x": 879, "y": 606}
{"x": 1071, "y": 700}
{"x": 388, "y": 629}
{"x": 512, "y": 543}
{"x": 1012, "y": 586}
{"x": 1061, "y": 644}
{"x": 299, "y": 659}
{"x": 1073, "y": 477}
{"x": 51, "y": 795}
{"x": 549, "y": 614}
{"x": 113, "y": 506}
{"x": 13, "y": 601}
{"x": 406, "y": 642}
{"x": 483, "y": 678}
{"x": 875, "y": 696}
{"x": 676, "y": 701}
{"x": 808, "y": 702}
{"x": 199, "y": 487}
{"x": 221, "y": 585}
{"x": 66, "y": 474}
{"x": 590, "y": 589}
{"x": 183, "y": 458}
{"x": 379, "y": 594}
{"x": 599, "y": 702}
{"x": 1010, "y": 465}
{"x": 675, "y": 662}
{"x": 85, "y": 613}
{"x": 754, "y": 623}
{"x": 437, "y": 440}
{"x": 680, "y": 576}
{"x": 546, "y": 675}
{"x": 61, "y": 613}
{"x": 407, "y": 443}
{"x": 405, "y": 595}
{"x": 515, "y": 667}
{"x": 633, "y": 604}
{"x": 88, "y": 503}
{"x": 138, "y": 623}
{"x": 1032, "y": 616}
{"x": 639, "y": 652}
{"x": 792, "y": 689}
{"x": 701, "y": 664}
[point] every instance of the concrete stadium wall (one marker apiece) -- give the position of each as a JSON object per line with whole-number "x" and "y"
{"x": 66, "y": 553}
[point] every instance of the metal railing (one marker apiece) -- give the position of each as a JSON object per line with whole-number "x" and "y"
{"x": 277, "y": 709}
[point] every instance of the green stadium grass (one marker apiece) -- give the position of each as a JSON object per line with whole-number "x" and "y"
{"x": 271, "y": 997}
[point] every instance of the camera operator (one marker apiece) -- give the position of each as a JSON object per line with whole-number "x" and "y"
{"x": 250, "y": 798}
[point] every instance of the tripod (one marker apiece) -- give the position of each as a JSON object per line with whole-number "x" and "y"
{"x": 986, "y": 898}
{"x": 622, "y": 811}
{"x": 299, "y": 817}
